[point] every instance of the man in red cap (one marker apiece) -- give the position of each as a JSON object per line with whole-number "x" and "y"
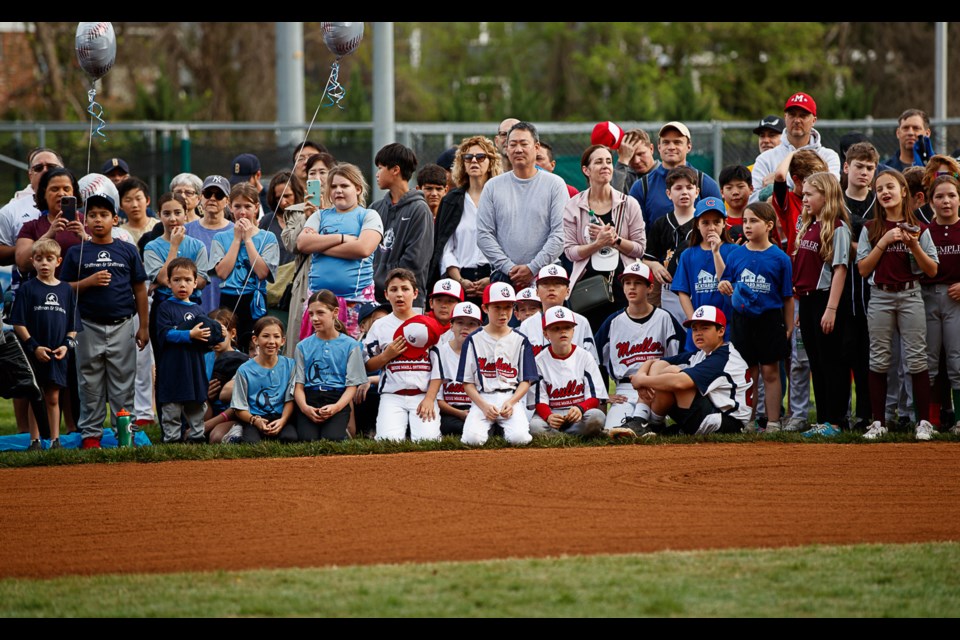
{"x": 799, "y": 114}
{"x": 704, "y": 391}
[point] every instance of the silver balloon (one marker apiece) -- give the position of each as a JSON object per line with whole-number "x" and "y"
{"x": 96, "y": 45}
{"x": 342, "y": 38}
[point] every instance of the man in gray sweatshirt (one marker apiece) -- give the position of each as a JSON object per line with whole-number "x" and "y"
{"x": 407, "y": 222}
{"x": 520, "y": 215}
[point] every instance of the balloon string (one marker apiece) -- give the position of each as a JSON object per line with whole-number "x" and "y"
{"x": 96, "y": 110}
{"x": 335, "y": 90}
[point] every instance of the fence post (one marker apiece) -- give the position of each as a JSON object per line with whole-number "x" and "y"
{"x": 185, "y": 150}
{"x": 717, "y": 147}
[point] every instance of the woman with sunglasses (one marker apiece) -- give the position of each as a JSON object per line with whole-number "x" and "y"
{"x": 455, "y": 253}
{"x": 213, "y": 199}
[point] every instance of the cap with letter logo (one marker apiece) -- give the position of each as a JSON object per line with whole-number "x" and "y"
{"x": 803, "y": 101}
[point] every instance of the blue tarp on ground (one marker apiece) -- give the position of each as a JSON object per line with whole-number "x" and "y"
{"x": 20, "y": 441}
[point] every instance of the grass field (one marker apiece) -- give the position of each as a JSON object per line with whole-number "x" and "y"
{"x": 911, "y": 580}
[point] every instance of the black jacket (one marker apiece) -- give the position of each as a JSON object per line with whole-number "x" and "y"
{"x": 448, "y": 219}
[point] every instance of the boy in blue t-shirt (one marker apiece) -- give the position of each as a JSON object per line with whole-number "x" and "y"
{"x": 110, "y": 282}
{"x": 182, "y": 383}
{"x": 45, "y": 319}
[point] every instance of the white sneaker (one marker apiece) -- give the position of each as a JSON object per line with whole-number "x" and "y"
{"x": 795, "y": 424}
{"x": 234, "y": 435}
{"x": 955, "y": 429}
{"x": 875, "y": 431}
{"x": 924, "y": 430}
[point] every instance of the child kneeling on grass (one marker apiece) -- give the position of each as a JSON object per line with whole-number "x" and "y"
{"x": 263, "y": 387}
{"x": 571, "y": 388}
{"x": 453, "y": 400}
{"x": 704, "y": 391}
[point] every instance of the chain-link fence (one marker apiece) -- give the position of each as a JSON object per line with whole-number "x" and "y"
{"x": 158, "y": 151}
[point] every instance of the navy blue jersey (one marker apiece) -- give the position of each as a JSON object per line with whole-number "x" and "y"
{"x": 696, "y": 276}
{"x": 48, "y": 312}
{"x": 181, "y": 371}
{"x": 115, "y": 301}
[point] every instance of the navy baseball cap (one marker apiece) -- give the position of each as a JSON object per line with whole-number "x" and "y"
{"x": 102, "y": 200}
{"x": 216, "y": 181}
{"x": 710, "y": 204}
{"x": 446, "y": 158}
{"x": 113, "y": 164}
{"x": 367, "y": 309}
{"x": 245, "y": 166}
{"x": 773, "y": 123}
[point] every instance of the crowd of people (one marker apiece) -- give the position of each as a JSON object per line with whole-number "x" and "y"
{"x": 494, "y": 298}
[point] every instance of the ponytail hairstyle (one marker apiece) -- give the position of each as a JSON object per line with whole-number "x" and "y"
{"x": 227, "y": 319}
{"x": 170, "y": 196}
{"x": 327, "y": 299}
{"x": 766, "y": 212}
{"x": 877, "y": 225}
{"x": 834, "y": 208}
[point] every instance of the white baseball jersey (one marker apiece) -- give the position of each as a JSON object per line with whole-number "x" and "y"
{"x": 565, "y": 382}
{"x": 532, "y": 327}
{"x": 400, "y": 374}
{"x": 720, "y": 377}
{"x": 625, "y": 343}
{"x": 497, "y": 365}
{"x": 451, "y": 391}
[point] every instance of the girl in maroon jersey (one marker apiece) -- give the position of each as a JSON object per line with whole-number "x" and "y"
{"x": 894, "y": 250}
{"x": 941, "y": 293}
{"x": 821, "y": 256}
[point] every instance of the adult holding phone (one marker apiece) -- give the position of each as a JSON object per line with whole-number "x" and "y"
{"x": 603, "y": 232}
{"x": 55, "y": 185}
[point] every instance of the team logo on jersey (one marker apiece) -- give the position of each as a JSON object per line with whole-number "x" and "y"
{"x": 706, "y": 282}
{"x": 755, "y": 282}
{"x": 52, "y": 300}
{"x": 103, "y": 256}
{"x": 188, "y": 316}
{"x": 317, "y": 370}
{"x": 262, "y": 401}
{"x": 568, "y": 395}
{"x": 629, "y": 353}
{"x": 500, "y": 367}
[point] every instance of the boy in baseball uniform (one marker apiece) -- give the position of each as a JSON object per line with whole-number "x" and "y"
{"x": 704, "y": 391}
{"x": 630, "y": 337}
{"x": 110, "y": 282}
{"x": 570, "y": 389}
{"x": 497, "y": 368}
{"x": 453, "y": 399}
{"x": 553, "y": 287}
{"x": 409, "y": 374}
{"x": 528, "y": 303}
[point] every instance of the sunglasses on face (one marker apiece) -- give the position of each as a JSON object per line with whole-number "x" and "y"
{"x": 43, "y": 166}
{"x": 214, "y": 194}
{"x": 470, "y": 157}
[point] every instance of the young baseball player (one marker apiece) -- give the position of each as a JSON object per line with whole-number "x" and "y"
{"x": 410, "y": 375}
{"x": 528, "y": 304}
{"x": 446, "y": 295}
{"x": 45, "y": 319}
{"x": 553, "y": 287}
{"x": 453, "y": 400}
{"x": 630, "y": 337}
{"x": 182, "y": 382}
{"x": 263, "y": 387}
{"x": 497, "y": 368}
{"x": 704, "y": 391}
{"x": 110, "y": 282}
{"x": 894, "y": 251}
{"x": 570, "y": 389}
{"x": 329, "y": 370}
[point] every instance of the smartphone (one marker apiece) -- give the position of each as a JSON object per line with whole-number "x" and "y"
{"x": 68, "y": 207}
{"x": 313, "y": 192}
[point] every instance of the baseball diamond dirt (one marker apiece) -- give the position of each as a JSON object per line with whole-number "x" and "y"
{"x": 469, "y": 505}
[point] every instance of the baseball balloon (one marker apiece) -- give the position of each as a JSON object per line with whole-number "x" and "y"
{"x": 98, "y": 183}
{"x": 342, "y": 38}
{"x": 96, "y": 45}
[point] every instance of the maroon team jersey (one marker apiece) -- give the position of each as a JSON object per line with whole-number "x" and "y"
{"x": 946, "y": 238}
{"x": 895, "y": 265}
{"x": 809, "y": 271}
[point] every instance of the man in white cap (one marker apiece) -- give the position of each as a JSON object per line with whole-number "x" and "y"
{"x": 651, "y": 189}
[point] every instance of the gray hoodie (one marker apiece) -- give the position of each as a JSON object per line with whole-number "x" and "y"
{"x": 768, "y": 161}
{"x": 407, "y": 241}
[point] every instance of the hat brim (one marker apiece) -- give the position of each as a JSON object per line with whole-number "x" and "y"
{"x": 758, "y": 130}
{"x": 627, "y": 274}
{"x": 689, "y": 323}
{"x": 235, "y": 180}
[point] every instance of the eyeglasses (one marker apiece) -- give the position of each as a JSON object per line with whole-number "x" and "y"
{"x": 502, "y": 134}
{"x": 948, "y": 173}
{"x": 214, "y": 194}
{"x": 470, "y": 157}
{"x": 43, "y": 166}
{"x": 186, "y": 193}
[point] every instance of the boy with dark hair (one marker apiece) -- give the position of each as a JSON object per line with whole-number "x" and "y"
{"x": 669, "y": 235}
{"x": 407, "y": 222}
{"x": 704, "y": 391}
{"x": 182, "y": 383}
{"x": 918, "y": 197}
{"x": 134, "y": 204}
{"x": 110, "y": 282}
{"x": 735, "y": 185}
{"x": 432, "y": 181}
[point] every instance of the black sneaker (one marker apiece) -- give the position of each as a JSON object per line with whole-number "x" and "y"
{"x": 55, "y": 444}
{"x": 904, "y": 424}
{"x": 637, "y": 425}
{"x": 34, "y": 445}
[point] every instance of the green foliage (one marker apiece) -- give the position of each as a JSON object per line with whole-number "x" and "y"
{"x": 915, "y": 580}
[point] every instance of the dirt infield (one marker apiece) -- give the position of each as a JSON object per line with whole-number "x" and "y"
{"x": 343, "y": 510}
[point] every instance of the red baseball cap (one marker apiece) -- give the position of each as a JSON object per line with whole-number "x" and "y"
{"x": 609, "y": 134}
{"x": 707, "y": 313}
{"x": 421, "y": 332}
{"x": 803, "y": 101}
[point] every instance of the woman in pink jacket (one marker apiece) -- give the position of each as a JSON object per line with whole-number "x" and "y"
{"x": 603, "y": 233}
